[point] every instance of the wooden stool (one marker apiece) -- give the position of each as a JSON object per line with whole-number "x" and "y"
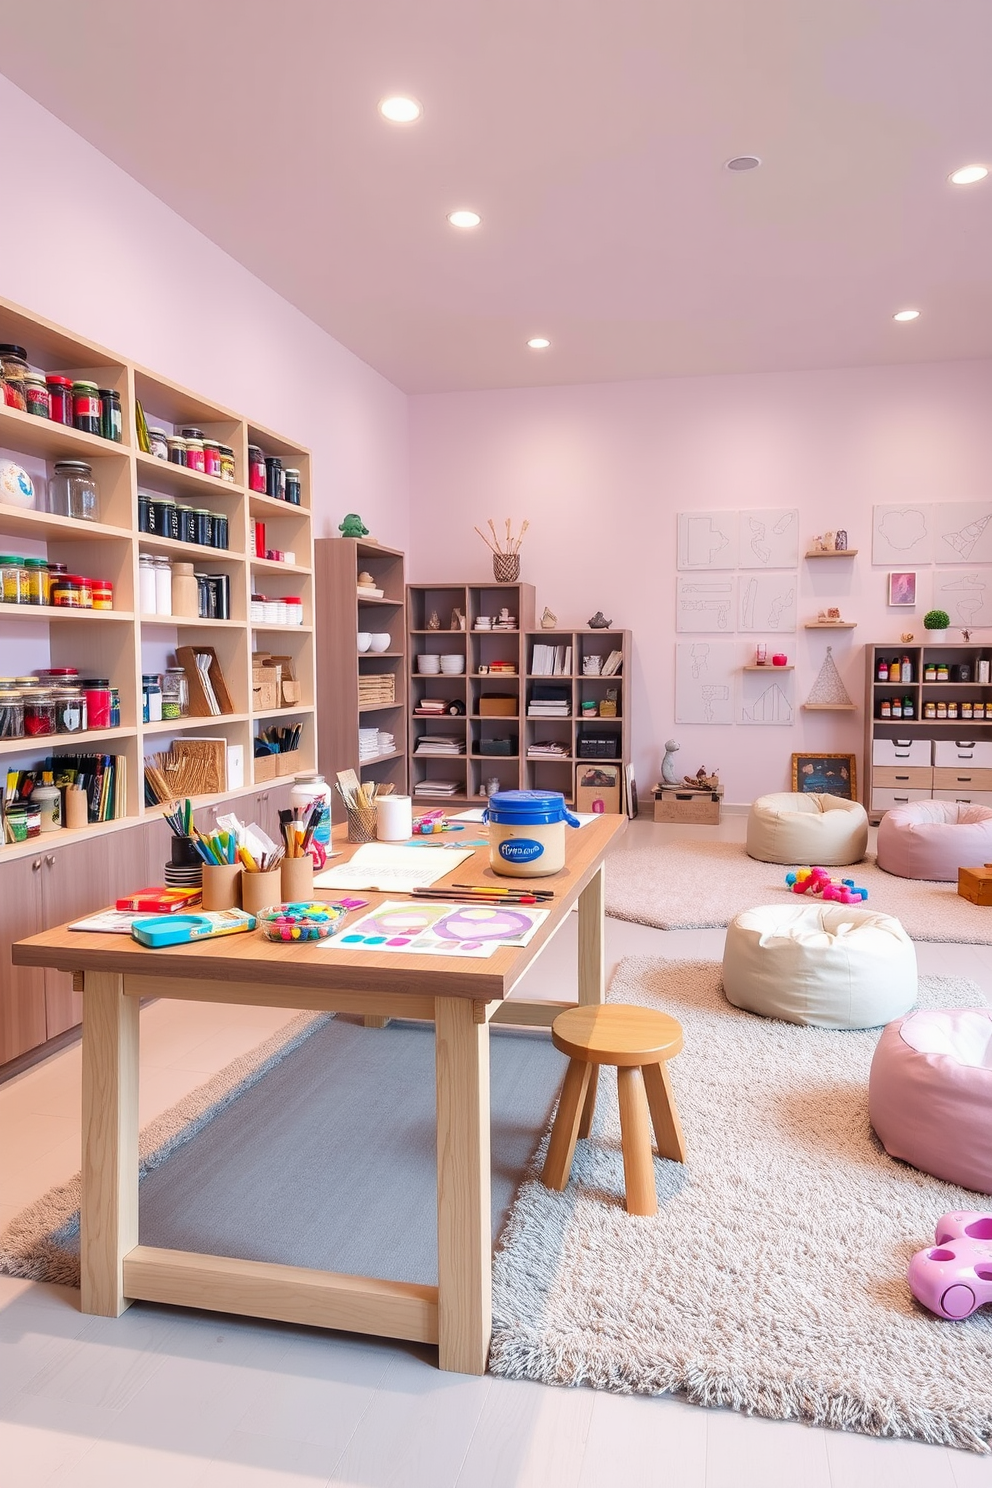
{"x": 638, "y": 1041}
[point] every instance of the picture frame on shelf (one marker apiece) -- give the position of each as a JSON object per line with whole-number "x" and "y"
{"x": 902, "y": 588}
{"x": 825, "y": 775}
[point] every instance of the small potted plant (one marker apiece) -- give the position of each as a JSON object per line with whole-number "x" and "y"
{"x": 935, "y": 623}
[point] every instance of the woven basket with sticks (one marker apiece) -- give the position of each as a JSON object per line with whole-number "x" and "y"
{"x": 505, "y": 551}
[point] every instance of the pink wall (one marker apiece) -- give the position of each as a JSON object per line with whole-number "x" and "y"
{"x": 601, "y": 472}
{"x": 88, "y": 247}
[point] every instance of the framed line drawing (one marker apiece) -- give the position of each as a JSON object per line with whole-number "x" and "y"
{"x": 825, "y": 775}
{"x": 902, "y": 588}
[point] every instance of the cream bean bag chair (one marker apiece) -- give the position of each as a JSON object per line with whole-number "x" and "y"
{"x": 817, "y": 831}
{"x": 930, "y": 1094}
{"x": 828, "y": 965}
{"x": 933, "y": 839}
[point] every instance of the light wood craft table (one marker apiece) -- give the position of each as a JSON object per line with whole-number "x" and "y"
{"x": 460, "y": 996}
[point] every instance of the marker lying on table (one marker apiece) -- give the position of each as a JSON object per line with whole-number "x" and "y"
{"x": 494, "y": 889}
{"x": 459, "y": 896}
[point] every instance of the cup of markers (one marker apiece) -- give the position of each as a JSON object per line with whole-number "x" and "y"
{"x": 301, "y": 921}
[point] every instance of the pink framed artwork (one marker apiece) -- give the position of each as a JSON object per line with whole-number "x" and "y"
{"x": 902, "y": 588}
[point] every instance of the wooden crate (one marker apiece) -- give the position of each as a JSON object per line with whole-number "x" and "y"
{"x": 699, "y": 808}
{"x": 975, "y": 884}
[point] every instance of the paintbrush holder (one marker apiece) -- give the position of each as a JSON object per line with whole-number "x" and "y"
{"x": 361, "y": 824}
{"x": 184, "y": 854}
{"x": 222, "y": 886}
{"x": 297, "y": 879}
{"x": 506, "y": 567}
{"x": 261, "y": 890}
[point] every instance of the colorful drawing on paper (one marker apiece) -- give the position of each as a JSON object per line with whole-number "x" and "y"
{"x": 770, "y": 538}
{"x": 440, "y": 929}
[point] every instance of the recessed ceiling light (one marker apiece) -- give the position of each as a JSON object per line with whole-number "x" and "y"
{"x": 400, "y": 110}
{"x": 967, "y": 175}
{"x": 538, "y": 343}
{"x": 906, "y": 315}
{"x": 464, "y": 219}
{"x": 743, "y": 162}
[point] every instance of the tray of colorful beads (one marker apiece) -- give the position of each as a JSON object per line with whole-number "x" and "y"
{"x": 301, "y": 921}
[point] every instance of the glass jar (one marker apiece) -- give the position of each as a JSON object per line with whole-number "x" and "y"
{"x": 151, "y": 698}
{"x": 204, "y": 526}
{"x": 294, "y": 609}
{"x": 226, "y": 463}
{"x": 13, "y": 371}
{"x": 162, "y": 569}
{"x": 55, "y": 571}
{"x": 37, "y": 396}
{"x": 96, "y": 691}
{"x": 256, "y": 469}
{"x": 175, "y": 693}
{"x": 275, "y": 478}
{"x": 144, "y": 502}
{"x": 11, "y": 714}
{"x": 72, "y": 592}
{"x": 158, "y": 441}
{"x": 87, "y": 408}
{"x": 177, "y": 451}
{"x": 146, "y": 584}
{"x": 885, "y": 710}
{"x": 157, "y": 515}
{"x": 294, "y": 487}
{"x": 115, "y": 707}
{"x": 60, "y": 398}
{"x": 967, "y": 711}
{"x": 13, "y": 579}
{"x": 187, "y": 524}
{"x": 111, "y": 418}
{"x": 941, "y": 710}
{"x": 169, "y": 509}
{"x": 929, "y": 710}
{"x": 103, "y": 594}
{"x": 194, "y": 454}
{"x": 930, "y": 672}
{"x": 191, "y": 433}
{"x": 48, "y": 799}
{"x": 218, "y": 530}
{"x": 49, "y": 678}
{"x": 72, "y": 492}
{"x": 35, "y": 581}
{"x": 952, "y": 710}
{"x": 40, "y": 715}
{"x": 211, "y": 457}
{"x": 943, "y": 675}
{"x": 70, "y": 710}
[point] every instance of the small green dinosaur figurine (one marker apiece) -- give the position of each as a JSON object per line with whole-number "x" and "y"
{"x": 353, "y": 526}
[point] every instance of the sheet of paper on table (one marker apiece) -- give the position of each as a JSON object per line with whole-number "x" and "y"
{"x": 474, "y": 814}
{"x": 378, "y": 865}
{"x": 438, "y": 929}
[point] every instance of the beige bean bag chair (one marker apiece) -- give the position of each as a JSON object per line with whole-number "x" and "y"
{"x": 828, "y": 965}
{"x": 933, "y": 839}
{"x": 814, "y": 831}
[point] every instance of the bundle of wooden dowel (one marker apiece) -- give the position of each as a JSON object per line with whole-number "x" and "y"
{"x": 503, "y": 547}
{"x": 359, "y": 797}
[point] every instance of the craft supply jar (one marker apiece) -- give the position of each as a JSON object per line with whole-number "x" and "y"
{"x": 70, "y": 710}
{"x": 256, "y": 469}
{"x": 72, "y": 492}
{"x": 527, "y": 832}
{"x": 275, "y": 478}
{"x": 175, "y": 692}
{"x": 14, "y": 371}
{"x": 72, "y": 592}
{"x": 146, "y": 584}
{"x": 13, "y": 579}
{"x": 194, "y": 455}
{"x": 203, "y": 526}
{"x": 294, "y": 487}
{"x": 60, "y": 398}
{"x": 307, "y": 790}
{"x": 48, "y": 799}
{"x": 37, "y": 396}
{"x": 158, "y": 442}
{"x": 111, "y": 417}
{"x": 221, "y": 886}
{"x": 227, "y": 463}
{"x": 11, "y": 715}
{"x": 87, "y": 407}
{"x": 177, "y": 451}
{"x": 40, "y": 715}
{"x": 218, "y": 530}
{"x": 144, "y": 504}
{"x": 162, "y": 569}
{"x": 151, "y": 698}
{"x": 185, "y": 591}
{"x": 211, "y": 458}
{"x": 103, "y": 594}
{"x": 97, "y": 692}
{"x": 261, "y": 890}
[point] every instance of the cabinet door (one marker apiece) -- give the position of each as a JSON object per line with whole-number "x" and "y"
{"x": 22, "y": 988}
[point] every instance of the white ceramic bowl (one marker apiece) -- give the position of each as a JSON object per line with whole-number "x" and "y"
{"x": 453, "y": 666}
{"x": 429, "y": 664}
{"x": 381, "y": 641}
{"x": 364, "y": 640}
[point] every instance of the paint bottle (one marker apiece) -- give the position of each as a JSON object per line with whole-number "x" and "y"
{"x": 907, "y": 669}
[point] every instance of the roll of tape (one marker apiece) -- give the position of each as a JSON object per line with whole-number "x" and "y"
{"x": 394, "y": 818}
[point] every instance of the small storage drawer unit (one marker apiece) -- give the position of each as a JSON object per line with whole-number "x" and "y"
{"x": 965, "y": 797}
{"x": 962, "y": 779}
{"x": 975, "y": 754}
{"x": 883, "y": 799}
{"x": 905, "y": 777}
{"x": 901, "y": 751}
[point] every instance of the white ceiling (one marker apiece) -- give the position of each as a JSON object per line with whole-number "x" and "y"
{"x": 591, "y": 136}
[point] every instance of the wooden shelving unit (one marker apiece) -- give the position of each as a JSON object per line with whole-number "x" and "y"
{"x": 342, "y": 614}
{"x": 563, "y": 774}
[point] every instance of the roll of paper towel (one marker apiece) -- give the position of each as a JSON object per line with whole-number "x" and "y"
{"x": 394, "y": 818}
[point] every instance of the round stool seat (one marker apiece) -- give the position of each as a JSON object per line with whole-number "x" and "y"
{"x": 933, "y": 839}
{"x": 606, "y": 1033}
{"x": 791, "y": 827}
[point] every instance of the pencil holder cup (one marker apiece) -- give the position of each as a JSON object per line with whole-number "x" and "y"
{"x": 361, "y": 828}
{"x": 261, "y": 890}
{"x": 222, "y": 886}
{"x": 506, "y": 567}
{"x": 184, "y": 854}
{"x": 76, "y": 814}
{"x": 296, "y": 879}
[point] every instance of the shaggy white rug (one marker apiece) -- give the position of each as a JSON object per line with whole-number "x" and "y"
{"x": 699, "y": 885}
{"x": 772, "y": 1279}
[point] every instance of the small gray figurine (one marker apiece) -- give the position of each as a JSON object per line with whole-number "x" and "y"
{"x": 599, "y": 622}
{"x": 669, "y": 774}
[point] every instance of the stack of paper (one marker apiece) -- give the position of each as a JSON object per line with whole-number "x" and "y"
{"x": 449, "y": 744}
{"x": 438, "y": 788}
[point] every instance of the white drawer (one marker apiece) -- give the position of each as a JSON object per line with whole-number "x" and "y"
{"x": 884, "y": 800}
{"x": 966, "y": 797}
{"x": 976, "y": 753}
{"x": 902, "y": 752}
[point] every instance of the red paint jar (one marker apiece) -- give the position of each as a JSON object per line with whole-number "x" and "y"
{"x": 61, "y": 391}
{"x": 103, "y": 594}
{"x": 256, "y": 469}
{"x": 780, "y": 659}
{"x": 97, "y": 693}
{"x": 211, "y": 458}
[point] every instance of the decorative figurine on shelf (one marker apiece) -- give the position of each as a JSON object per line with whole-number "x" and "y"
{"x": 366, "y": 581}
{"x": 549, "y": 619}
{"x": 434, "y": 623}
{"x": 840, "y": 540}
{"x": 966, "y": 635}
{"x": 829, "y": 616}
{"x": 457, "y": 620}
{"x": 668, "y": 775}
{"x": 906, "y": 637}
{"x": 701, "y": 781}
{"x": 599, "y": 622}
{"x": 353, "y": 526}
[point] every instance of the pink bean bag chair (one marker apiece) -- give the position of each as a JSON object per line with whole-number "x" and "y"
{"x": 933, "y": 839}
{"x": 930, "y": 1094}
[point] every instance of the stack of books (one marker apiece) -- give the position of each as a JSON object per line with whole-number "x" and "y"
{"x": 431, "y": 708}
{"x": 550, "y": 702}
{"x": 612, "y": 664}
{"x": 551, "y": 661}
{"x": 449, "y": 744}
{"x": 547, "y": 749}
{"x": 437, "y": 788}
{"x": 376, "y": 687}
{"x": 504, "y": 668}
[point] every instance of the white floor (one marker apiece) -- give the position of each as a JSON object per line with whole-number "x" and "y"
{"x": 169, "y": 1399}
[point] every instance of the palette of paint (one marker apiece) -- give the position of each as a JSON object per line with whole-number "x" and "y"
{"x": 441, "y": 929}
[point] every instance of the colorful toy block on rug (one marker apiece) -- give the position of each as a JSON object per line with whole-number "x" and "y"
{"x": 954, "y": 1277}
{"x": 818, "y": 881}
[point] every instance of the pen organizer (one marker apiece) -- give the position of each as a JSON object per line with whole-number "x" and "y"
{"x": 222, "y": 886}
{"x": 361, "y": 825}
{"x": 261, "y": 890}
{"x": 296, "y": 881}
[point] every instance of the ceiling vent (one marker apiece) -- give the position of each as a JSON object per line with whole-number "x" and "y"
{"x": 743, "y": 162}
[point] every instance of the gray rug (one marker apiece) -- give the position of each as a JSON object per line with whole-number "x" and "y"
{"x": 700, "y": 884}
{"x": 317, "y": 1150}
{"x": 772, "y": 1280}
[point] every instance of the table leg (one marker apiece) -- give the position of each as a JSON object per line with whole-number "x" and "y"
{"x": 109, "y": 1212}
{"x": 592, "y": 973}
{"x": 464, "y": 1223}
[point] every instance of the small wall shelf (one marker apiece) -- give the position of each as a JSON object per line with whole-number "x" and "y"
{"x": 831, "y": 625}
{"x": 830, "y": 707}
{"x": 771, "y": 667}
{"x": 833, "y": 553}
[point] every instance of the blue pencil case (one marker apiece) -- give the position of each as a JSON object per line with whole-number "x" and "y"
{"x": 178, "y": 929}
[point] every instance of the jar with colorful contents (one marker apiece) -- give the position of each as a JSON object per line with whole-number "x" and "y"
{"x": 227, "y": 463}
{"x": 35, "y": 582}
{"x": 87, "y": 407}
{"x": 211, "y": 458}
{"x": 111, "y": 416}
{"x": 175, "y": 693}
{"x": 72, "y": 492}
{"x": 97, "y": 692}
{"x": 256, "y": 469}
{"x": 294, "y": 922}
{"x": 177, "y": 451}
{"x": 13, "y": 372}
{"x": 103, "y": 594}
{"x": 11, "y": 714}
{"x": 72, "y": 592}
{"x": 194, "y": 455}
{"x": 60, "y": 398}
{"x": 13, "y": 579}
{"x": 70, "y": 709}
{"x": 40, "y": 714}
{"x": 37, "y": 396}
{"x": 159, "y": 443}
{"x": 151, "y": 698}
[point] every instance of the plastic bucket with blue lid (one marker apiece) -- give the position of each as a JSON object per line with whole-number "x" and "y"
{"x": 527, "y": 832}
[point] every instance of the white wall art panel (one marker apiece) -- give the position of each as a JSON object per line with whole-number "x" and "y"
{"x": 706, "y": 605}
{"x": 707, "y": 540}
{"x": 704, "y": 681}
{"x": 769, "y": 538}
{"x": 902, "y": 535}
{"x": 963, "y": 532}
{"x": 965, "y": 593}
{"x": 766, "y": 603}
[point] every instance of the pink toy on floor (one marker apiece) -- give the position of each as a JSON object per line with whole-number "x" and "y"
{"x": 818, "y": 881}
{"x": 954, "y": 1277}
